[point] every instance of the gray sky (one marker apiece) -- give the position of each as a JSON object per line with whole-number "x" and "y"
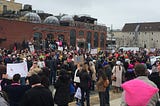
{"x": 115, "y": 12}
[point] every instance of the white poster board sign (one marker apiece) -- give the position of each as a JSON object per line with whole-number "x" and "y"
{"x": 17, "y": 68}
{"x": 60, "y": 48}
{"x": 94, "y": 51}
{"x": 31, "y": 48}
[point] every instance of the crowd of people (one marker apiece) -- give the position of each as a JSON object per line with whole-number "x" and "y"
{"x": 97, "y": 72}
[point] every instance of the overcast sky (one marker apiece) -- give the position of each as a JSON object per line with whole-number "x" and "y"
{"x": 109, "y": 12}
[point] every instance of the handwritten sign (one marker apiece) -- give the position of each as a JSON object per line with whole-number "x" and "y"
{"x": 17, "y": 68}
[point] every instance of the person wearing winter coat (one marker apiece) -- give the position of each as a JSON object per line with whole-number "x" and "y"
{"x": 85, "y": 81}
{"x": 148, "y": 95}
{"x": 118, "y": 74}
{"x": 101, "y": 86}
{"x": 93, "y": 74}
{"x": 62, "y": 86}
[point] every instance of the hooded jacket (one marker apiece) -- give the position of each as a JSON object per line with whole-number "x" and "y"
{"x": 139, "y": 92}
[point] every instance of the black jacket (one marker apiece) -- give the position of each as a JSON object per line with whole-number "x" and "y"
{"x": 85, "y": 80}
{"x": 15, "y": 93}
{"x": 62, "y": 94}
{"x": 38, "y": 96}
{"x": 156, "y": 79}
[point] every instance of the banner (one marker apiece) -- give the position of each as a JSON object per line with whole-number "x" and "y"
{"x": 17, "y": 68}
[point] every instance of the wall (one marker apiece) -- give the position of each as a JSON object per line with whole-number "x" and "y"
{"x": 17, "y": 31}
{"x": 10, "y": 5}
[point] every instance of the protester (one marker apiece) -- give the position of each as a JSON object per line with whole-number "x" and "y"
{"x": 108, "y": 72}
{"x": 52, "y": 65}
{"x": 117, "y": 76}
{"x": 38, "y": 95}
{"x": 15, "y": 91}
{"x": 155, "y": 77}
{"x": 85, "y": 80}
{"x": 62, "y": 86}
{"x": 34, "y": 69}
{"x": 93, "y": 74}
{"x": 101, "y": 86}
{"x": 131, "y": 97}
{"x": 77, "y": 80}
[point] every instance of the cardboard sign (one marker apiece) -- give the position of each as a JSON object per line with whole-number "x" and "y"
{"x": 17, "y": 68}
{"x": 78, "y": 59}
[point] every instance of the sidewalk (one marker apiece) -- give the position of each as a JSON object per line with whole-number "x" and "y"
{"x": 115, "y": 99}
{"x": 115, "y": 102}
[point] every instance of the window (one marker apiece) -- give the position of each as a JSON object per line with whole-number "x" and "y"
{"x": 89, "y": 37}
{"x": 37, "y": 40}
{"x": 61, "y": 37}
{"x": 102, "y": 38}
{"x": 37, "y": 36}
{"x": 95, "y": 39}
{"x": 81, "y": 33}
{"x": 4, "y": 8}
{"x": 73, "y": 37}
{"x": 50, "y": 36}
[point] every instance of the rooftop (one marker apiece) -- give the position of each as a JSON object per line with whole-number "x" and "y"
{"x": 141, "y": 27}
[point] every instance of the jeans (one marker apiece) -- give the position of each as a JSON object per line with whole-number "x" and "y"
{"x": 102, "y": 98}
{"x": 107, "y": 96}
{"x": 85, "y": 95}
{"x": 52, "y": 78}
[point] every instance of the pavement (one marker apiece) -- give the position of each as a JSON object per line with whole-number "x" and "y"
{"x": 115, "y": 98}
{"x": 115, "y": 102}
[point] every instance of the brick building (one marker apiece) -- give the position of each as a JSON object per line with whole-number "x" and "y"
{"x": 71, "y": 30}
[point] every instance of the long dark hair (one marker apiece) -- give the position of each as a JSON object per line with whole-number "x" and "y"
{"x": 101, "y": 73}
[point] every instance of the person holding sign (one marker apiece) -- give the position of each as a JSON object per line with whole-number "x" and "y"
{"x": 34, "y": 69}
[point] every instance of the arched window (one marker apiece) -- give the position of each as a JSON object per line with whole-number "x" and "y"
{"x": 61, "y": 37}
{"x": 37, "y": 36}
{"x": 37, "y": 40}
{"x": 95, "y": 39}
{"x": 81, "y": 33}
{"x": 50, "y": 36}
{"x": 73, "y": 37}
{"x": 102, "y": 38}
{"x": 89, "y": 38}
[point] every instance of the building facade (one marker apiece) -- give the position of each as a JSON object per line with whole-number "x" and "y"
{"x": 145, "y": 35}
{"x": 9, "y": 6}
{"x": 73, "y": 31}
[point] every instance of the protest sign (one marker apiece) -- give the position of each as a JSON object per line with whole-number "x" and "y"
{"x": 94, "y": 51}
{"x": 78, "y": 59}
{"x": 17, "y": 68}
{"x": 60, "y": 48}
